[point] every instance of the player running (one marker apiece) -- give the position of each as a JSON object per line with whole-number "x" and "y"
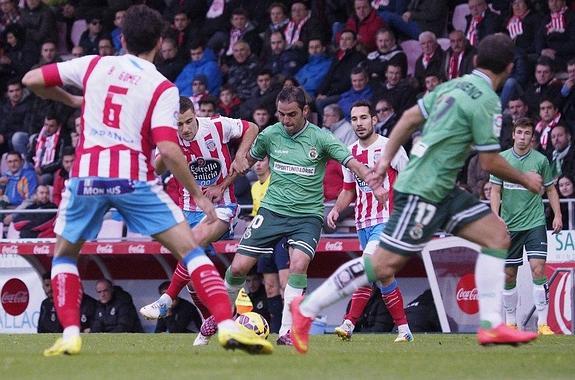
{"x": 370, "y": 216}
{"x": 457, "y": 115}
{"x": 128, "y": 107}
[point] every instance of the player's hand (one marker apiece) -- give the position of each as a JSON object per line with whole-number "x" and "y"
{"x": 214, "y": 193}
{"x": 381, "y": 194}
{"x": 533, "y": 182}
{"x": 240, "y": 165}
{"x": 207, "y": 207}
{"x": 374, "y": 180}
{"x": 332, "y": 218}
{"x": 557, "y": 224}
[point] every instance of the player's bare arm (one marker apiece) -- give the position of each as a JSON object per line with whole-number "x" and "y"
{"x": 495, "y": 200}
{"x": 241, "y": 163}
{"x": 159, "y": 166}
{"x": 493, "y": 163}
{"x": 215, "y": 193}
{"x": 343, "y": 200}
{"x": 410, "y": 121}
{"x": 176, "y": 162}
{"x": 553, "y": 197}
{"x": 363, "y": 172}
{"x": 34, "y": 80}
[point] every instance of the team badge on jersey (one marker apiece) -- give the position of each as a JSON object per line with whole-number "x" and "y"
{"x": 416, "y": 232}
{"x": 312, "y": 153}
{"x": 211, "y": 145}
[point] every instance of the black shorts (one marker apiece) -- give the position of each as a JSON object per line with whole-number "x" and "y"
{"x": 534, "y": 241}
{"x": 277, "y": 261}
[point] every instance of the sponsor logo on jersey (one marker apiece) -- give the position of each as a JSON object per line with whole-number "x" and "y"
{"x": 293, "y": 169}
{"x": 206, "y": 171}
{"x": 112, "y": 134}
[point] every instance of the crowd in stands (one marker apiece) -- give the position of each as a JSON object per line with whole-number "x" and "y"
{"x": 231, "y": 57}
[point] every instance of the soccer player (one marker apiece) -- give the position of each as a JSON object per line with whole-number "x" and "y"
{"x": 293, "y": 205}
{"x": 523, "y": 213}
{"x": 204, "y": 143}
{"x": 127, "y": 108}
{"x": 457, "y": 115}
{"x": 370, "y": 216}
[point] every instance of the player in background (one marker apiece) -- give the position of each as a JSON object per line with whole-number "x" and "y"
{"x": 128, "y": 107}
{"x": 293, "y": 204}
{"x": 457, "y": 115}
{"x": 204, "y": 143}
{"x": 524, "y": 215}
{"x": 370, "y": 216}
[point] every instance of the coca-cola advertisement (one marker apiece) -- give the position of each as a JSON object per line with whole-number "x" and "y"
{"x": 20, "y": 295}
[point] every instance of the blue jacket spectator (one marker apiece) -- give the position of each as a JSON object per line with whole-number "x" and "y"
{"x": 203, "y": 62}
{"x": 20, "y": 179}
{"x": 312, "y": 74}
{"x": 359, "y": 90}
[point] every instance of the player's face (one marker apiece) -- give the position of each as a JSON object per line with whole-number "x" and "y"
{"x": 291, "y": 116}
{"x": 565, "y": 187}
{"x": 362, "y": 122}
{"x": 522, "y": 137}
{"x": 187, "y": 125}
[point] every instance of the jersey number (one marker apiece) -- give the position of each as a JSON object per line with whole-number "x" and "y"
{"x": 258, "y": 220}
{"x": 425, "y": 213}
{"x": 444, "y": 105}
{"x": 112, "y": 110}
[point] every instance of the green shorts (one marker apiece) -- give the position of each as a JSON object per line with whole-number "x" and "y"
{"x": 414, "y": 220}
{"x": 268, "y": 227}
{"x": 534, "y": 241}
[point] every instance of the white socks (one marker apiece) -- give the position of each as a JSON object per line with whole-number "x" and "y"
{"x": 510, "y": 305}
{"x": 489, "y": 278}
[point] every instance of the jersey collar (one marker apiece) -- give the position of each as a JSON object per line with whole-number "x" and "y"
{"x": 483, "y": 76}
{"x": 300, "y": 132}
{"x": 519, "y": 157}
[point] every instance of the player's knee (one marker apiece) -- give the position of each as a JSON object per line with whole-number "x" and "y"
{"x": 538, "y": 270}
{"x": 240, "y": 268}
{"x": 499, "y": 239}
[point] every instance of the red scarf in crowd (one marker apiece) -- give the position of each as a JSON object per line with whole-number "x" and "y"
{"x": 46, "y": 148}
{"x": 472, "y": 36}
{"x": 557, "y": 23}
{"x": 545, "y": 128}
{"x": 292, "y": 30}
{"x": 515, "y": 26}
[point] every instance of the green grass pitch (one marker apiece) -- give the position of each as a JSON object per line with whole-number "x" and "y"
{"x": 165, "y": 356}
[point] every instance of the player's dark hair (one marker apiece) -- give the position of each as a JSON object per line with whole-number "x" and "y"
{"x": 292, "y": 94}
{"x": 495, "y": 53}
{"x": 365, "y": 103}
{"x": 185, "y": 104}
{"x": 524, "y": 122}
{"x": 142, "y": 28}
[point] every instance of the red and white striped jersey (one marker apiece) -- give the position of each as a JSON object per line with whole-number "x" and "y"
{"x": 128, "y": 108}
{"x": 368, "y": 211}
{"x": 208, "y": 156}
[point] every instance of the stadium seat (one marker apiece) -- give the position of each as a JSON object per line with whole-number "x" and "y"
{"x": 412, "y": 50}
{"x": 459, "y": 22}
{"x": 12, "y": 232}
{"x": 444, "y": 43}
{"x": 111, "y": 230}
{"x": 78, "y": 28}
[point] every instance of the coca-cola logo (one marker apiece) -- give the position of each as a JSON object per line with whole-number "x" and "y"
{"x": 136, "y": 248}
{"x": 41, "y": 249}
{"x": 104, "y": 248}
{"x": 231, "y": 247}
{"x": 334, "y": 246}
{"x": 466, "y": 294}
{"x": 560, "y": 318}
{"x": 10, "y": 249}
{"x": 15, "y": 296}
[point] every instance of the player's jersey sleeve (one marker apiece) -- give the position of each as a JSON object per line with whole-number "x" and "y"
{"x": 164, "y": 119}
{"x": 259, "y": 149}
{"x": 232, "y": 128}
{"x": 400, "y": 160}
{"x": 70, "y": 72}
{"x": 335, "y": 148}
{"x": 425, "y": 104}
{"x": 547, "y": 173}
{"x": 486, "y": 121}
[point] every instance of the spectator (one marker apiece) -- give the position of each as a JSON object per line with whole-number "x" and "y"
{"x": 522, "y": 26}
{"x": 431, "y": 59}
{"x": 459, "y": 57}
{"x": 485, "y": 194}
{"x": 481, "y": 22}
{"x": 568, "y": 94}
{"x": 562, "y": 155}
{"x": 301, "y": 26}
{"x": 518, "y": 108}
{"x": 207, "y": 106}
{"x": 257, "y": 293}
{"x": 77, "y": 51}
{"x": 262, "y": 117}
{"x": 278, "y": 21}
{"x": 106, "y": 47}
{"x": 10, "y": 14}
{"x": 47, "y": 319}
{"x": 334, "y": 121}
{"x": 115, "y": 311}
{"x": 182, "y": 316}
{"x": 241, "y": 29}
{"x": 280, "y": 61}
{"x": 243, "y": 70}
{"x": 199, "y": 90}
{"x": 47, "y": 148}
{"x": 48, "y": 54}
{"x": 170, "y": 63}
{"x": 360, "y": 90}
{"x": 431, "y": 82}
{"x": 181, "y": 31}
{"x": 194, "y": 9}
{"x": 403, "y": 95}
{"x": 365, "y": 23}
{"x": 338, "y": 79}
{"x": 20, "y": 179}
{"x": 421, "y": 16}
{"x": 556, "y": 36}
{"x": 387, "y": 52}
{"x": 39, "y": 23}
{"x": 229, "y": 104}
{"x": 386, "y": 117}
{"x": 566, "y": 189}
{"x": 311, "y": 75}
{"x": 550, "y": 118}
{"x": 17, "y": 58}
{"x": 62, "y": 174}
{"x": 90, "y": 38}
{"x": 202, "y": 62}
{"x": 39, "y": 225}
{"x": 13, "y": 113}
{"x": 545, "y": 85}
{"x": 264, "y": 95}
{"x": 117, "y": 31}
